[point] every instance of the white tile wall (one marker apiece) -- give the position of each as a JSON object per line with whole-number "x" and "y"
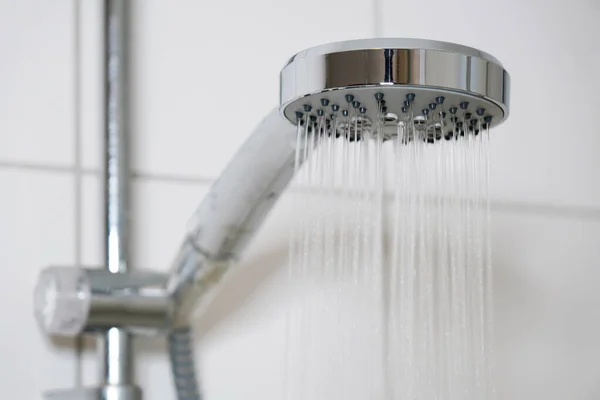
{"x": 206, "y": 72}
{"x": 36, "y": 230}
{"x": 546, "y": 223}
{"x": 154, "y": 241}
{"x": 547, "y": 149}
{"x": 91, "y": 58}
{"x": 37, "y": 82}
{"x": 548, "y": 309}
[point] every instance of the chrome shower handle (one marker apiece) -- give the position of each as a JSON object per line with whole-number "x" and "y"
{"x": 231, "y": 213}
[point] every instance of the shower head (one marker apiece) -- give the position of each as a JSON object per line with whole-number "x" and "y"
{"x": 391, "y": 81}
{"x": 372, "y": 83}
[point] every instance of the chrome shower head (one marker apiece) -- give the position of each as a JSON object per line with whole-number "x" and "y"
{"x": 372, "y": 83}
{"x": 436, "y": 86}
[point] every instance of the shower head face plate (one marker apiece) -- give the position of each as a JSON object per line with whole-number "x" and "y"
{"x": 395, "y": 79}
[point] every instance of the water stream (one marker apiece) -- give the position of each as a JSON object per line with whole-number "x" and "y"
{"x": 390, "y": 261}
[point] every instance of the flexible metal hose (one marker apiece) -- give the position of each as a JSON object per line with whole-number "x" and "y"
{"x": 181, "y": 353}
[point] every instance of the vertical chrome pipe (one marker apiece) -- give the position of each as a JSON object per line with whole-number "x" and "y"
{"x": 116, "y": 352}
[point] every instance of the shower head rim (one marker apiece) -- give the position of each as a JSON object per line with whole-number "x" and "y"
{"x": 408, "y": 63}
{"x": 392, "y": 43}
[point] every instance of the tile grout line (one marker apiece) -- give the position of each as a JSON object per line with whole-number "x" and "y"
{"x": 521, "y": 207}
{"x": 65, "y": 169}
{"x": 566, "y": 211}
{"x": 27, "y": 166}
{"x": 78, "y": 171}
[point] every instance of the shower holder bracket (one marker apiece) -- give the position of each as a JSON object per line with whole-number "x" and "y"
{"x": 71, "y": 301}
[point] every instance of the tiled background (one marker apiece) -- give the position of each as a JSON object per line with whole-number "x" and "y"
{"x": 204, "y": 73}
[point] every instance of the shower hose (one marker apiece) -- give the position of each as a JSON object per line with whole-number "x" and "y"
{"x": 182, "y": 356}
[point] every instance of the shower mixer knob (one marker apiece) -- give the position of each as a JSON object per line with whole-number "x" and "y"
{"x": 62, "y": 300}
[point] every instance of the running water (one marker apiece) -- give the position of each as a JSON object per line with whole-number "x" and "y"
{"x": 390, "y": 261}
